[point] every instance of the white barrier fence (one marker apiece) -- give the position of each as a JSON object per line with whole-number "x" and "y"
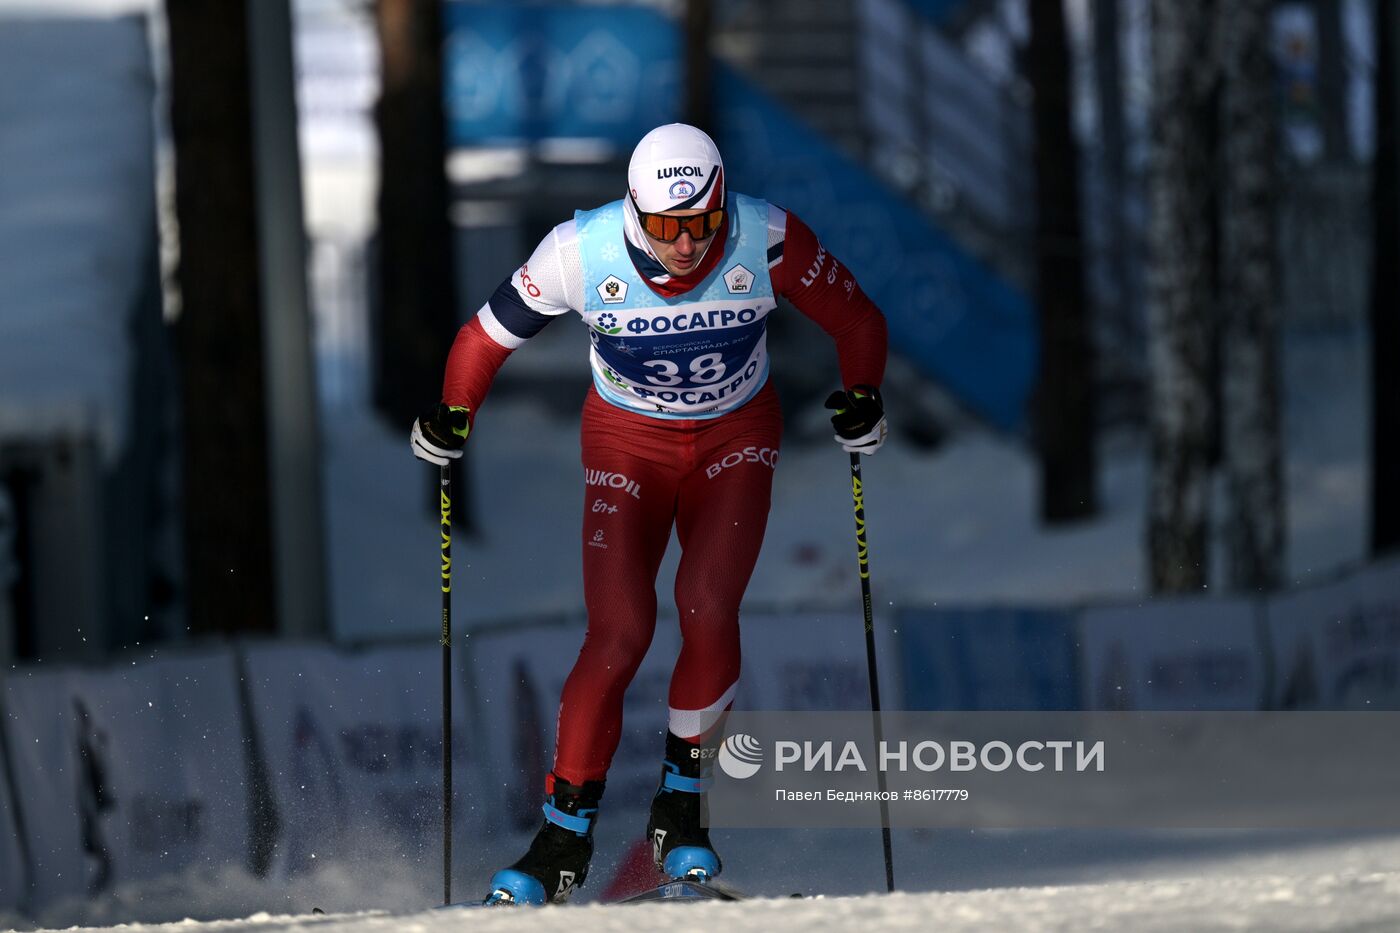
{"x": 1337, "y": 646}
{"x": 352, "y": 748}
{"x": 152, "y": 768}
{"x": 1173, "y": 654}
{"x": 128, "y": 773}
{"x": 815, "y": 660}
{"x": 13, "y": 874}
{"x": 44, "y": 748}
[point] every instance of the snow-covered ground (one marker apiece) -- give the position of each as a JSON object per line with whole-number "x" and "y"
{"x": 1212, "y": 882}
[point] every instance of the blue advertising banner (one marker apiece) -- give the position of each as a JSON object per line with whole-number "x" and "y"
{"x": 988, "y": 659}
{"x": 526, "y": 72}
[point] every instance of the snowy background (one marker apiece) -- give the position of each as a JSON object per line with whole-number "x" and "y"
{"x": 173, "y": 760}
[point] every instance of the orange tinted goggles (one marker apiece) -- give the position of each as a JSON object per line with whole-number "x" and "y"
{"x": 667, "y": 228}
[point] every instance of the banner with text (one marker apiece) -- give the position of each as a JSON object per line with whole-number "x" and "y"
{"x": 1173, "y": 654}
{"x": 1338, "y": 646}
{"x": 813, "y": 660}
{"x": 58, "y": 796}
{"x": 353, "y": 748}
{"x": 129, "y": 774}
{"x": 13, "y": 872}
{"x": 989, "y": 659}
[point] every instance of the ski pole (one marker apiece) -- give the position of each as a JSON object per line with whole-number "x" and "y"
{"x": 445, "y": 482}
{"x": 863, "y": 556}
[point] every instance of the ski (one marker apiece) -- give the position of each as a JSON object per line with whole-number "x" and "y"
{"x": 465, "y": 905}
{"x": 684, "y": 889}
{"x": 677, "y": 889}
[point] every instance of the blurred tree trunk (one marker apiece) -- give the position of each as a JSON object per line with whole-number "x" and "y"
{"x": 699, "y": 68}
{"x": 1251, "y": 440}
{"x": 417, "y": 292}
{"x": 1113, "y": 139}
{"x": 1064, "y": 400}
{"x": 228, "y": 540}
{"x": 1385, "y": 288}
{"x": 1180, "y": 293}
{"x": 416, "y": 307}
{"x": 1332, "y": 79}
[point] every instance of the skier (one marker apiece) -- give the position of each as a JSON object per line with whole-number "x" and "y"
{"x": 675, "y": 282}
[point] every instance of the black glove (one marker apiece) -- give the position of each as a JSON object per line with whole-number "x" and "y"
{"x": 859, "y": 420}
{"x": 438, "y": 435}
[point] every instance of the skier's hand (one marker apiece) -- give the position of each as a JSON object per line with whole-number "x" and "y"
{"x": 438, "y": 435}
{"x": 859, "y": 420}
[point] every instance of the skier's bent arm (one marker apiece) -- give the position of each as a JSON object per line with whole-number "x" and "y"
{"x": 823, "y": 289}
{"x": 548, "y": 285}
{"x": 521, "y": 306}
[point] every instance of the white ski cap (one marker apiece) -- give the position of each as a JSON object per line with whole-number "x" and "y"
{"x": 676, "y": 167}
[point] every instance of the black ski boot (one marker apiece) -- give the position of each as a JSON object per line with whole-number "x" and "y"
{"x": 680, "y": 843}
{"x": 557, "y": 861}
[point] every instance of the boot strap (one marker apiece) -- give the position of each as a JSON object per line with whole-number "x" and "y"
{"x": 690, "y": 785}
{"x": 579, "y": 824}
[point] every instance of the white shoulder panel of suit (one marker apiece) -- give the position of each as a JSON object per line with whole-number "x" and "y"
{"x": 550, "y": 283}
{"x": 777, "y": 227}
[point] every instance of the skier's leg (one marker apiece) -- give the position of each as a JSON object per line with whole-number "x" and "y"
{"x": 627, "y": 519}
{"x": 628, "y": 507}
{"x": 721, "y": 514}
